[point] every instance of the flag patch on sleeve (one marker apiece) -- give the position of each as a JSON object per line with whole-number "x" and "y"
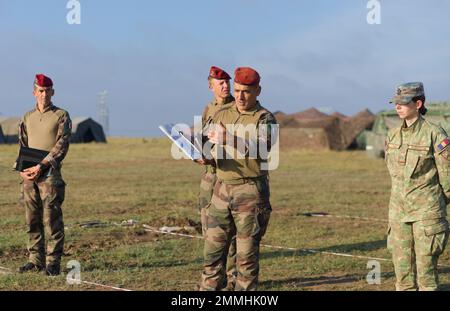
{"x": 443, "y": 144}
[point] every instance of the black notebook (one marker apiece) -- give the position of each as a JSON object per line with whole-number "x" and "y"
{"x": 29, "y": 157}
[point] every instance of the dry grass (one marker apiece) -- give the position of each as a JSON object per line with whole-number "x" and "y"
{"x": 137, "y": 179}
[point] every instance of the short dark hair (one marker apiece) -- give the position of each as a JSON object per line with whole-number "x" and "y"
{"x": 422, "y": 110}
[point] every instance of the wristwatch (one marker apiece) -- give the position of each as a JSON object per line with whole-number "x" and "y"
{"x": 41, "y": 166}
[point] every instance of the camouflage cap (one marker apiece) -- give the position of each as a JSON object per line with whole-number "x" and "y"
{"x": 406, "y": 92}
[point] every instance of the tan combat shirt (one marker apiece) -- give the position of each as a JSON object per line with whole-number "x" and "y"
{"x": 235, "y": 166}
{"x": 49, "y": 131}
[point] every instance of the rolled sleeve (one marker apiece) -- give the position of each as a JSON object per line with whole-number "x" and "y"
{"x": 267, "y": 131}
{"x": 59, "y": 151}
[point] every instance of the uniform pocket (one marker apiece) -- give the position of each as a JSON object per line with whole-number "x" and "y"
{"x": 206, "y": 191}
{"x": 53, "y": 190}
{"x": 438, "y": 232}
{"x": 423, "y": 164}
{"x": 262, "y": 217}
{"x": 420, "y": 161}
{"x": 60, "y": 187}
{"x": 439, "y": 243}
{"x": 391, "y": 155}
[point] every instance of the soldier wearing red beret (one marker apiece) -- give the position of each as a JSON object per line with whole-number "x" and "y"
{"x": 240, "y": 203}
{"x": 219, "y": 84}
{"x": 47, "y": 128}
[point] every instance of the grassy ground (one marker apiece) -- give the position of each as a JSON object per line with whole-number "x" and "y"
{"x": 138, "y": 179}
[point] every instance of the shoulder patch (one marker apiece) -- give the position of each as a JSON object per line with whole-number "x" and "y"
{"x": 443, "y": 144}
{"x": 267, "y": 117}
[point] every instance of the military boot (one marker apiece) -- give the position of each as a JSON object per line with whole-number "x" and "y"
{"x": 53, "y": 269}
{"x": 30, "y": 267}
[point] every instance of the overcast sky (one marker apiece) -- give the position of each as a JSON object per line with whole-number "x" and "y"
{"x": 153, "y": 56}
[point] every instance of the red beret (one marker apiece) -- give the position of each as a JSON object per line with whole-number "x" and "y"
{"x": 246, "y": 76}
{"x": 217, "y": 73}
{"x": 43, "y": 81}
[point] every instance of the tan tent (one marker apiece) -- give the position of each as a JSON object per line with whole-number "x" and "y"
{"x": 313, "y": 129}
{"x": 86, "y": 130}
{"x": 10, "y": 129}
{"x": 280, "y": 116}
{"x": 311, "y": 113}
{"x": 304, "y": 138}
{"x": 354, "y": 126}
{"x": 339, "y": 115}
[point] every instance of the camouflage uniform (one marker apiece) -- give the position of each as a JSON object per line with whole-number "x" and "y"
{"x": 42, "y": 199}
{"x": 418, "y": 161}
{"x": 207, "y": 183}
{"x": 240, "y": 203}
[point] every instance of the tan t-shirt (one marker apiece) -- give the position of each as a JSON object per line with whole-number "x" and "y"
{"x": 49, "y": 130}
{"x": 234, "y": 165}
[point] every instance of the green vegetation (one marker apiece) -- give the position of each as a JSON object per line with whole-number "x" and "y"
{"x": 138, "y": 179}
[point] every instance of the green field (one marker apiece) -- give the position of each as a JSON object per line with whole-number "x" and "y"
{"x": 137, "y": 179}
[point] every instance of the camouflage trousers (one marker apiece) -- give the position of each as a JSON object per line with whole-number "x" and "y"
{"x": 241, "y": 210}
{"x": 415, "y": 248}
{"x": 206, "y": 191}
{"x": 42, "y": 201}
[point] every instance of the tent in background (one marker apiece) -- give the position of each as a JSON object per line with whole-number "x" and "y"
{"x": 10, "y": 129}
{"x": 86, "y": 130}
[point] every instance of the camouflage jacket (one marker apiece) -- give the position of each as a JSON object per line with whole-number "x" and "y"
{"x": 418, "y": 161}
{"x": 208, "y": 113}
{"x": 49, "y": 131}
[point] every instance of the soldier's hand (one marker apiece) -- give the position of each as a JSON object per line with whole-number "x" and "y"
{"x": 204, "y": 161}
{"x": 26, "y": 176}
{"x": 33, "y": 172}
{"x": 218, "y": 136}
{"x": 200, "y": 161}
